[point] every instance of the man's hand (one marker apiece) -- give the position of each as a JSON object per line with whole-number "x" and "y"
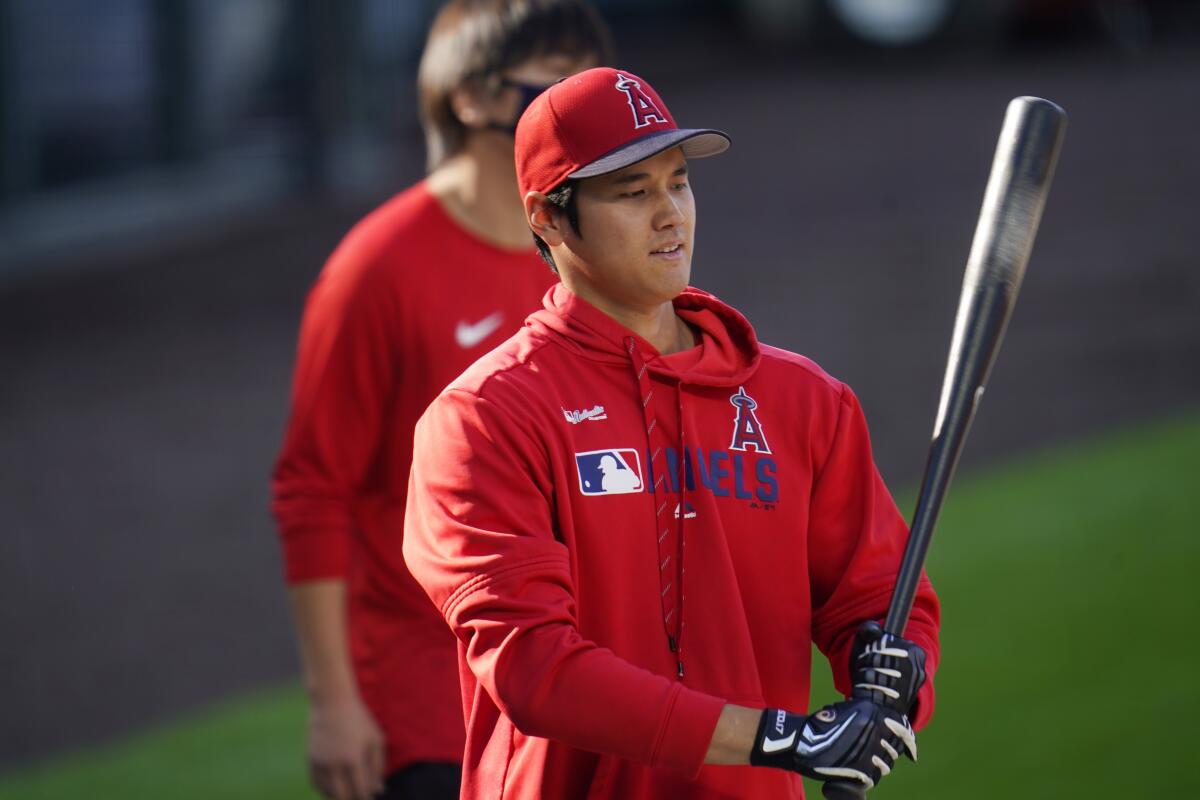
{"x": 886, "y": 669}
{"x": 345, "y": 750}
{"x": 855, "y": 740}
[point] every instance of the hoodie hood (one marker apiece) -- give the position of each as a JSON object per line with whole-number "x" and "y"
{"x": 727, "y": 355}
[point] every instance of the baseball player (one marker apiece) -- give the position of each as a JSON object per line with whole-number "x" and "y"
{"x": 637, "y": 519}
{"x": 418, "y": 290}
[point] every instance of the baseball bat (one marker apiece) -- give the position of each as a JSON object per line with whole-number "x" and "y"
{"x": 1016, "y": 192}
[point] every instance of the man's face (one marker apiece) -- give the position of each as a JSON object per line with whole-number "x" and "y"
{"x": 637, "y": 227}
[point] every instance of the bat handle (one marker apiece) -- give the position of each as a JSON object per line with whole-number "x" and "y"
{"x": 843, "y": 790}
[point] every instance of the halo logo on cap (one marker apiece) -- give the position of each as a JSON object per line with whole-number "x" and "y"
{"x": 644, "y": 109}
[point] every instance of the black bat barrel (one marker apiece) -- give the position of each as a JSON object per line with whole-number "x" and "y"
{"x": 1012, "y": 208}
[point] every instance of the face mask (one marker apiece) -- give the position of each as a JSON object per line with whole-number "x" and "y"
{"x": 528, "y": 93}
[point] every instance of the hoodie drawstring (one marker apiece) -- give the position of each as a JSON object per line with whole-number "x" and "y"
{"x": 669, "y": 518}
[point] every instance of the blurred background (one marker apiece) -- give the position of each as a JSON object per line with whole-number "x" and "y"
{"x": 174, "y": 172}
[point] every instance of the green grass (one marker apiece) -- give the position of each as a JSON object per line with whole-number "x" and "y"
{"x": 1067, "y": 653}
{"x": 1068, "y": 657}
{"x": 250, "y": 748}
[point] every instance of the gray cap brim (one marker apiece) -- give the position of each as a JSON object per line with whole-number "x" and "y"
{"x": 695, "y": 143}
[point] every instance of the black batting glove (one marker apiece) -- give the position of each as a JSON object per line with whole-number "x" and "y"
{"x": 854, "y": 740}
{"x": 885, "y": 668}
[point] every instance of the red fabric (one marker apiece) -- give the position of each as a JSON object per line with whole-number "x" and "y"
{"x": 581, "y": 118}
{"x": 377, "y": 343}
{"x": 551, "y": 578}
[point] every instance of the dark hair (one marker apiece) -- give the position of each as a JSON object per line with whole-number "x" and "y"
{"x": 472, "y": 41}
{"x": 562, "y": 196}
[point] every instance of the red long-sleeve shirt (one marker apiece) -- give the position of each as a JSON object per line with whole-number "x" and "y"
{"x": 406, "y": 302}
{"x": 623, "y": 551}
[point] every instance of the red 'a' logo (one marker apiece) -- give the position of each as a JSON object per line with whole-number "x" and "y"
{"x": 644, "y": 109}
{"x": 747, "y": 432}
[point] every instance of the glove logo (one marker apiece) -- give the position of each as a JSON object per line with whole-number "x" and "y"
{"x": 616, "y": 471}
{"x": 826, "y": 715}
{"x": 770, "y": 745}
{"x": 813, "y": 742}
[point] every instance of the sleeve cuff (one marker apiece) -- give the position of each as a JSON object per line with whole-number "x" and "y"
{"x": 924, "y": 705}
{"x": 926, "y": 694}
{"x": 688, "y": 730}
{"x": 311, "y": 554}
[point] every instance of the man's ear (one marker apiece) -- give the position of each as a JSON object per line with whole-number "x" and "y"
{"x": 545, "y": 218}
{"x": 467, "y": 105}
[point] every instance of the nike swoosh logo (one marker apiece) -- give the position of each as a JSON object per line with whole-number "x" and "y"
{"x": 824, "y": 740}
{"x": 469, "y": 334}
{"x": 770, "y": 745}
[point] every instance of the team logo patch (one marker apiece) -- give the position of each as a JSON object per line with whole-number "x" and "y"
{"x": 747, "y": 432}
{"x": 685, "y": 510}
{"x": 645, "y": 111}
{"x": 594, "y": 413}
{"x": 616, "y": 471}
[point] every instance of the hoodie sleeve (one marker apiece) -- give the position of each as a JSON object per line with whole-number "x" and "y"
{"x": 480, "y": 538}
{"x": 346, "y": 367}
{"x": 855, "y": 544}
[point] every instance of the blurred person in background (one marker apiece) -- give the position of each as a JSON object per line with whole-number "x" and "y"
{"x": 416, "y": 292}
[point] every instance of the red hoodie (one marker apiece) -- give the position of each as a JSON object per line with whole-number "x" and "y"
{"x": 550, "y": 510}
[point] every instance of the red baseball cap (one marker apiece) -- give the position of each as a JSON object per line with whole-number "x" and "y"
{"x": 599, "y": 121}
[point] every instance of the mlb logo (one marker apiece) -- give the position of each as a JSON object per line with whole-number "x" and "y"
{"x": 609, "y": 471}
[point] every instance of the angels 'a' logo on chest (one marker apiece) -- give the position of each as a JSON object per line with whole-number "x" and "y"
{"x": 747, "y": 430}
